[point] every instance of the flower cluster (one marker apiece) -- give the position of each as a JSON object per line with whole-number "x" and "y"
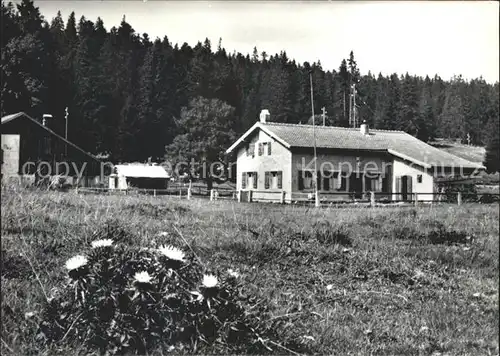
{"x": 135, "y": 294}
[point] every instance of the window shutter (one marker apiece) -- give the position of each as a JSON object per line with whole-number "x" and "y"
{"x": 280, "y": 179}
{"x": 261, "y": 149}
{"x": 326, "y": 182}
{"x": 398, "y": 188}
{"x": 339, "y": 180}
{"x": 266, "y": 179}
{"x": 301, "y": 180}
{"x": 409, "y": 189}
{"x": 243, "y": 180}
{"x": 269, "y": 148}
{"x": 255, "y": 179}
{"x": 380, "y": 183}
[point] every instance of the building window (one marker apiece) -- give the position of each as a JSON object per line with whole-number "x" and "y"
{"x": 249, "y": 180}
{"x": 264, "y": 148}
{"x": 305, "y": 180}
{"x": 339, "y": 182}
{"x": 274, "y": 180}
{"x": 419, "y": 178}
{"x": 251, "y": 150}
{"x": 374, "y": 183}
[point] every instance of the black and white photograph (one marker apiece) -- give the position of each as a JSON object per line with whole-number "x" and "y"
{"x": 250, "y": 177}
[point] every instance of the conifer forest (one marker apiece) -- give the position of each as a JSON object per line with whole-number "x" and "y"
{"x": 135, "y": 98}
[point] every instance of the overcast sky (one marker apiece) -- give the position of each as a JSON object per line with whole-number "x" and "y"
{"x": 444, "y": 38}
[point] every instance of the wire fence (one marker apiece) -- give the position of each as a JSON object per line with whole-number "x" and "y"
{"x": 304, "y": 198}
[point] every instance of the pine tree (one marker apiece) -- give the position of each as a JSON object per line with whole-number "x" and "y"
{"x": 492, "y": 156}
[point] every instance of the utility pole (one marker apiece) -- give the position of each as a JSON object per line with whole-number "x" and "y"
{"x": 323, "y": 109}
{"x": 344, "y": 103}
{"x": 66, "y": 130}
{"x": 350, "y": 109}
{"x": 354, "y": 103}
{"x": 315, "y": 178}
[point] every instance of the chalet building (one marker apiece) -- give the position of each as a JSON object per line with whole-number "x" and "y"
{"x": 31, "y": 150}
{"x": 275, "y": 158}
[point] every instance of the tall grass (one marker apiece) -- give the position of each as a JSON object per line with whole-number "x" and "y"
{"x": 381, "y": 281}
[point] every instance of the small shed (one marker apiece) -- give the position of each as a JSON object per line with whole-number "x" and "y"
{"x": 143, "y": 176}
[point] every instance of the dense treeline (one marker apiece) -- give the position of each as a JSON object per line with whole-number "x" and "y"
{"x": 129, "y": 95}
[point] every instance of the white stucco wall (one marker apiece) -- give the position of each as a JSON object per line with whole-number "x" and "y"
{"x": 279, "y": 160}
{"x": 10, "y": 147}
{"x": 401, "y": 168}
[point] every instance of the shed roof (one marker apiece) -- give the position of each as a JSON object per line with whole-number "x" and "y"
{"x": 141, "y": 171}
{"x": 397, "y": 143}
{"x": 8, "y": 118}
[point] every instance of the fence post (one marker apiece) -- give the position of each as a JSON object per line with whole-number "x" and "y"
{"x": 189, "y": 193}
{"x": 317, "y": 202}
{"x": 211, "y": 194}
{"x": 372, "y": 198}
{"x": 459, "y": 198}
{"x": 238, "y": 196}
{"x": 154, "y": 192}
{"x": 250, "y": 193}
{"x": 282, "y": 197}
{"x": 416, "y": 199}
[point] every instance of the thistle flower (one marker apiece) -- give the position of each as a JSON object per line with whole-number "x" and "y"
{"x": 142, "y": 277}
{"x": 76, "y": 262}
{"x": 101, "y": 243}
{"x": 232, "y": 273}
{"x": 172, "y": 253}
{"x": 209, "y": 281}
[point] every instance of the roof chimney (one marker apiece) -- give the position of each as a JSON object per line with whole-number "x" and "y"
{"x": 264, "y": 115}
{"x": 364, "y": 128}
{"x": 46, "y": 117}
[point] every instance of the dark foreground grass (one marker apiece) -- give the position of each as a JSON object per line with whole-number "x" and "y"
{"x": 414, "y": 281}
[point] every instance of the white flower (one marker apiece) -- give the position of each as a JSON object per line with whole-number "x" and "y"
{"x": 142, "y": 277}
{"x": 172, "y": 253}
{"x": 163, "y": 234}
{"x": 233, "y": 273}
{"x": 209, "y": 281}
{"x": 199, "y": 296}
{"x": 424, "y": 328}
{"x": 101, "y": 243}
{"x": 76, "y": 262}
{"x": 329, "y": 287}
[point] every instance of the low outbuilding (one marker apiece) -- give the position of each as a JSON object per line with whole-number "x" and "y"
{"x": 142, "y": 176}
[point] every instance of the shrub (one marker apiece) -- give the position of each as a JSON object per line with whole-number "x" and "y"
{"x": 488, "y": 198}
{"x": 121, "y": 300}
{"x": 441, "y": 235}
{"x": 325, "y": 233}
{"x": 13, "y": 266}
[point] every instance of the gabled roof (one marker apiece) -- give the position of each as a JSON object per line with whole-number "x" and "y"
{"x": 141, "y": 171}
{"x": 8, "y": 118}
{"x": 396, "y": 143}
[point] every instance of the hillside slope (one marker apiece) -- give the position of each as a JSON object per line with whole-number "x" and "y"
{"x": 471, "y": 153}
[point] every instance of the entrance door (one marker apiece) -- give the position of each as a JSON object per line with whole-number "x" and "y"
{"x": 406, "y": 189}
{"x": 356, "y": 186}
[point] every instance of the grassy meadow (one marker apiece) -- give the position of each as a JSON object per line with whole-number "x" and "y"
{"x": 339, "y": 281}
